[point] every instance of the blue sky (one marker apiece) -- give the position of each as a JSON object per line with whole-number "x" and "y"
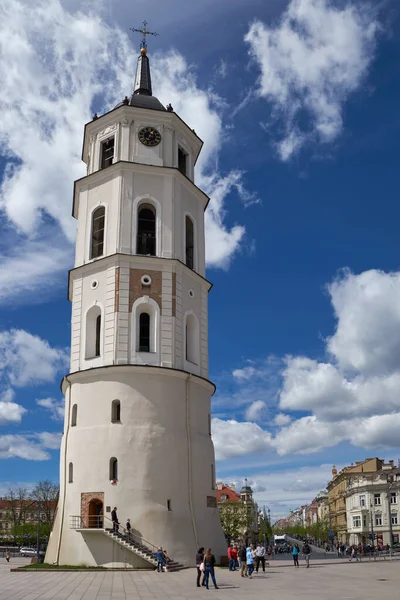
{"x": 297, "y": 103}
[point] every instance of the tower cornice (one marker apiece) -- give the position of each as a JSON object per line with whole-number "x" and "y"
{"x": 94, "y": 372}
{"x": 140, "y": 262}
{"x": 101, "y": 174}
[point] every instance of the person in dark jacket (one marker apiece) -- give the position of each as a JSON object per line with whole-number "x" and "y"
{"x": 160, "y": 559}
{"x": 199, "y": 561}
{"x": 209, "y": 564}
{"x": 306, "y": 553}
{"x": 114, "y": 519}
{"x": 243, "y": 568}
{"x": 128, "y": 528}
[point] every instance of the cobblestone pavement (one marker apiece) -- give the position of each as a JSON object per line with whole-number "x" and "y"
{"x": 347, "y": 581}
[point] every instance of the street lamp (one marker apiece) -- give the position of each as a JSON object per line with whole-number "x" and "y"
{"x": 389, "y": 484}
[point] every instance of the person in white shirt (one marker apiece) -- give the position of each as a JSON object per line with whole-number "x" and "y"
{"x": 260, "y": 557}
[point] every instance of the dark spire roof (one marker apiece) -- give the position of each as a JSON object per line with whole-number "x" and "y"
{"x": 142, "y": 96}
{"x": 143, "y": 78}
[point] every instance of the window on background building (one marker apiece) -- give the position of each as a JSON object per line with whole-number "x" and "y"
{"x": 115, "y": 411}
{"x": 189, "y": 238}
{"x": 144, "y": 332}
{"x": 70, "y": 472}
{"x": 74, "y": 415}
{"x": 223, "y": 497}
{"x": 98, "y": 225}
{"x": 394, "y": 519}
{"x": 113, "y": 469}
{"x": 107, "y": 152}
{"x": 364, "y": 521}
{"x": 393, "y": 498}
{"x": 356, "y": 522}
{"x": 362, "y": 500}
{"x": 395, "y": 538}
{"x": 182, "y": 161}
{"x": 378, "y": 520}
{"x": 377, "y": 499}
{"x": 146, "y": 231}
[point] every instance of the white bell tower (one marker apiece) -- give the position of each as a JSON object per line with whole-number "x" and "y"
{"x": 137, "y": 400}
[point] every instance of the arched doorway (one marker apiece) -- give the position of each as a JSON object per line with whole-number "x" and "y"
{"x": 95, "y": 514}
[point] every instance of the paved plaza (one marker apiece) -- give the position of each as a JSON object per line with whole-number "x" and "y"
{"x": 347, "y": 581}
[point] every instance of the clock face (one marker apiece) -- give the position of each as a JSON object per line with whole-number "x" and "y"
{"x": 149, "y": 136}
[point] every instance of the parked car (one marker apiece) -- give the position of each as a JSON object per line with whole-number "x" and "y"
{"x": 396, "y": 547}
{"x": 30, "y": 552}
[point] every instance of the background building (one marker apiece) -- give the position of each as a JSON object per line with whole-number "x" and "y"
{"x": 240, "y": 517}
{"x": 337, "y": 491}
{"x": 373, "y": 506}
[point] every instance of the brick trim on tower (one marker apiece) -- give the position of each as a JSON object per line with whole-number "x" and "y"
{"x": 137, "y": 289}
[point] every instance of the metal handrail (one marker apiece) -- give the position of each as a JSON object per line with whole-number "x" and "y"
{"x": 134, "y": 535}
{"x": 78, "y": 522}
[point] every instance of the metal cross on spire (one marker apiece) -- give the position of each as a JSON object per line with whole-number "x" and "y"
{"x": 144, "y": 31}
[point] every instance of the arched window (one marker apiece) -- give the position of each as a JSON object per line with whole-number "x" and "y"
{"x": 74, "y": 415}
{"x": 97, "y": 240}
{"x": 189, "y": 239}
{"x": 98, "y": 332}
{"x": 70, "y": 473}
{"x": 144, "y": 332}
{"x": 146, "y": 230}
{"x": 93, "y": 332}
{"x": 113, "y": 469}
{"x": 115, "y": 411}
{"x": 192, "y": 339}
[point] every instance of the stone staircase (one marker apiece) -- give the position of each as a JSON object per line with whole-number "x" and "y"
{"x": 140, "y": 549}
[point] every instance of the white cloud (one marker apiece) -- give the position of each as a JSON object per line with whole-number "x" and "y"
{"x": 56, "y": 407}
{"x": 48, "y": 440}
{"x": 232, "y": 439}
{"x": 355, "y": 396}
{"x": 20, "y": 446}
{"x": 255, "y": 411}
{"x": 26, "y": 359}
{"x": 54, "y": 65}
{"x": 281, "y": 419}
{"x": 30, "y": 268}
{"x": 311, "y": 61}
{"x": 367, "y": 338}
{"x": 244, "y": 374}
{"x": 11, "y": 412}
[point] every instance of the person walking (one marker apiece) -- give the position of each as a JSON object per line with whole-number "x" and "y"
{"x": 242, "y": 554}
{"x": 295, "y": 554}
{"x": 200, "y": 566}
{"x": 306, "y": 553}
{"x": 353, "y": 554}
{"x": 260, "y": 557}
{"x": 160, "y": 559}
{"x": 209, "y": 564}
{"x": 114, "y": 519}
{"x": 232, "y": 562}
{"x": 249, "y": 562}
{"x": 235, "y": 557}
{"x": 128, "y": 528}
{"x": 8, "y": 556}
